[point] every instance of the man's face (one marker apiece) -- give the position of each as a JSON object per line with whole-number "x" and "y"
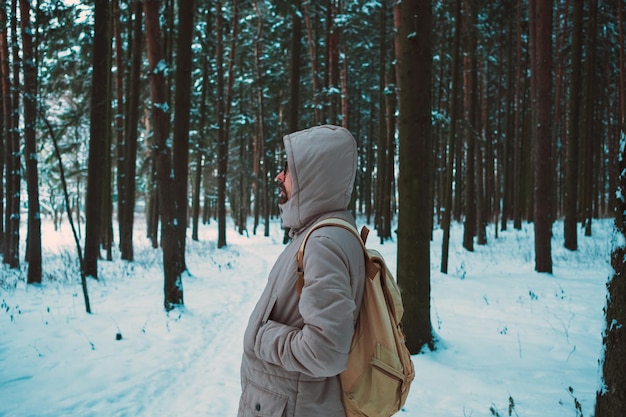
{"x": 284, "y": 185}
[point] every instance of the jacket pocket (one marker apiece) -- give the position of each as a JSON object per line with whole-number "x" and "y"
{"x": 269, "y": 309}
{"x": 257, "y": 401}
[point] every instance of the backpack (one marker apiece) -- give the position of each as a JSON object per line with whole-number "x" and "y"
{"x": 380, "y": 371}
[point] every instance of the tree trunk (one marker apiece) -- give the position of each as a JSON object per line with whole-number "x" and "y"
{"x": 182, "y": 105}
{"x": 223, "y": 105}
{"x": 259, "y": 166}
{"x": 611, "y": 398}
{"x": 541, "y": 19}
{"x": 119, "y": 118}
{"x": 454, "y": 108}
{"x": 106, "y": 232}
{"x": 481, "y": 156}
{"x": 588, "y": 120}
{"x": 130, "y": 148}
{"x": 294, "y": 78}
{"x": 97, "y": 137}
{"x": 518, "y": 112}
{"x": 413, "y": 269}
{"x": 13, "y": 176}
{"x": 382, "y": 182}
{"x": 33, "y": 255}
{"x": 5, "y": 117}
{"x": 5, "y": 137}
{"x": 571, "y": 168}
{"x": 172, "y": 256}
{"x": 201, "y": 151}
{"x": 447, "y": 205}
{"x": 469, "y": 229}
{"x": 317, "y": 111}
{"x": 508, "y": 147}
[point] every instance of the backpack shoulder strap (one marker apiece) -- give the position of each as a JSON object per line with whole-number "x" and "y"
{"x": 332, "y": 221}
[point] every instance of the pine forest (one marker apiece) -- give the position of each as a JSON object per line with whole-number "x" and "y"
{"x": 172, "y": 113}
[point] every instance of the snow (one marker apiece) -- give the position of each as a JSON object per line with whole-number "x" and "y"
{"x": 511, "y": 341}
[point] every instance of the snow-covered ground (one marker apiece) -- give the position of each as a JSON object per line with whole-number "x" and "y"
{"x": 512, "y": 341}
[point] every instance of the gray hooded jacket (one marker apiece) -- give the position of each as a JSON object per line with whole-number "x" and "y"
{"x": 295, "y": 346}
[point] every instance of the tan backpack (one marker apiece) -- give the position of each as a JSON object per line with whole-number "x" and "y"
{"x": 380, "y": 371}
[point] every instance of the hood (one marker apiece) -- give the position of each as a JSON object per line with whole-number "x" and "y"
{"x": 322, "y": 165}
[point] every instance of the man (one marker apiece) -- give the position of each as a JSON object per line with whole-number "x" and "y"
{"x": 296, "y": 345}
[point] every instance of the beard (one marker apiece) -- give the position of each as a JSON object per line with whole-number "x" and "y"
{"x": 282, "y": 197}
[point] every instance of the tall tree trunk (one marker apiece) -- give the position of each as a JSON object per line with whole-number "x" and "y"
{"x": 106, "y": 233}
{"x": 333, "y": 63}
{"x": 293, "y": 118}
{"x": 97, "y": 137}
{"x": 611, "y": 397}
{"x": 469, "y": 229}
{"x": 182, "y": 105}
{"x": 294, "y": 69}
{"x": 620, "y": 125}
{"x": 259, "y": 165}
{"x": 33, "y": 255}
{"x": 571, "y": 168}
{"x": 541, "y": 14}
{"x": 317, "y": 111}
{"x": 382, "y": 182}
{"x": 130, "y": 148}
{"x": 588, "y": 120}
{"x": 222, "y": 144}
{"x": 518, "y": 111}
{"x": 370, "y": 183}
{"x": 509, "y": 145}
{"x": 481, "y": 154}
{"x": 13, "y": 176}
{"x": 454, "y": 109}
{"x": 172, "y": 256}
{"x": 201, "y": 151}
{"x": 415, "y": 60}
{"x": 119, "y": 118}
{"x": 5, "y": 137}
{"x": 224, "y": 105}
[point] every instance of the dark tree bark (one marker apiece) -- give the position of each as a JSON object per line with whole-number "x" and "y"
{"x": 541, "y": 14}
{"x": 98, "y": 137}
{"x": 469, "y": 83}
{"x": 383, "y": 182}
{"x": 611, "y": 398}
{"x": 119, "y": 117}
{"x": 571, "y": 168}
{"x": 508, "y": 147}
{"x": 5, "y": 139}
{"x": 415, "y": 60}
{"x": 454, "y": 109}
{"x": 182, "y": 106}
{"x": 317, "y": 111}
{"x": 481, "y": 157}
{"x": 588, "y": 128}
{"x": 294, "y": 69}
{"x": 224, "y": 106}
{"x": 517, "y": 129}
{"x": 259, "y": 164}
{"x": 106, "y": 233}
{"x": 222, "y": 143}
{"x": 172, "y": 256}
{"x": 201, "y": 151}
{"x": 130, "y": 137}
{"x": 13, "y": 172}
{"x": 33, "y": 254}
{"x": 293, "y": 118}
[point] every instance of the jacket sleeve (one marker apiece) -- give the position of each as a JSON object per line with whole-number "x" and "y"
{"x": 320, "y": 348}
